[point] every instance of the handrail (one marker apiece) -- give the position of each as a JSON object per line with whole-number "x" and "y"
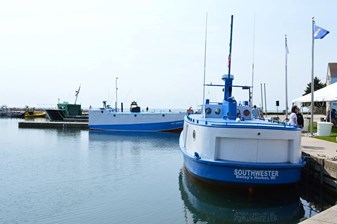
{"x": 269, "y": 123}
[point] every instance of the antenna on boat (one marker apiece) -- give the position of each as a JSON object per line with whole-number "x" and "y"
{"x": 203, "y": 90}
{"x": 76, "y": 93}
{"x": 262, "y": 106}
{"x": 251, "y": 94}
{"x": 116, "y": 94}
{"x": 265, "y": 99}
{"x": 286, "y": 74}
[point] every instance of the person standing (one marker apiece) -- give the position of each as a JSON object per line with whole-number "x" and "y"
{"x": 300, "y": 120}
{"x": 255, "y": 112}
{"x": 333, "y": 117}
{"x": 293, "y": 115}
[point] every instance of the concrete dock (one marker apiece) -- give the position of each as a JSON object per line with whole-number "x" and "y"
{"x": 321, "y": 167}
{"x": 327, "y": 216}
{"x": 321, "y": 160}
{"x": 53, "y": 124}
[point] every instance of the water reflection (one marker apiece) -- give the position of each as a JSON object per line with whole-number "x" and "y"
{"x": 229, "y": 204}
{"x": 72, "y": 132}
{"x": 315, "y": 196}
{"x": 154, "y": 139}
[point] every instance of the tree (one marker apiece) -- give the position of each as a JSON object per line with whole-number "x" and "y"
{"x": 318, "y": 106}
{"x": 317, "y": 85}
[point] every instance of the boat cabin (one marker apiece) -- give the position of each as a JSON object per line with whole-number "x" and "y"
{"x": 134, "y": 107}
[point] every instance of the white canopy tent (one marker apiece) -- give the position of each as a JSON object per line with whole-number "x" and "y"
{"x": 326, "y": 94}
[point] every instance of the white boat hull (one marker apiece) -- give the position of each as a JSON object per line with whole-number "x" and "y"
{"x": 107, "y": 119}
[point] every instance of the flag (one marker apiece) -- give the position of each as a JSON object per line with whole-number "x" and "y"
{"x": 320, "y": 33}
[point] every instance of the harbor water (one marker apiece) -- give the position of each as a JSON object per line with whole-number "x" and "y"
{"x": 79, "y": 176}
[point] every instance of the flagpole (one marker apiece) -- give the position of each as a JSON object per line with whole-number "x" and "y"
{"x": 286, "y": 76}
{"x": 312, "y": 80}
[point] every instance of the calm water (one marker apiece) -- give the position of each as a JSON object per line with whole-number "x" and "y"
{"x": 73, "y": 176}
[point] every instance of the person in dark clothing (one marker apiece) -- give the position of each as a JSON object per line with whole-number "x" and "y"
{"x": 300, "y": 120}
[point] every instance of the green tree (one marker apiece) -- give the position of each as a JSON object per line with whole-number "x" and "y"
{"x": 317, "y": 85}
{"x": 318, "y": 106}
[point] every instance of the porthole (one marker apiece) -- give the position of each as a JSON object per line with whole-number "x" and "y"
{"x": 217, "y": 111}
{"x": 208, "y": 110}
{"x": 163, "y": 115}
{"x": 135, "y": 115}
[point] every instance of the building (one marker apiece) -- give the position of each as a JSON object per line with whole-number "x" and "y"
{"x": 331, "y": 77}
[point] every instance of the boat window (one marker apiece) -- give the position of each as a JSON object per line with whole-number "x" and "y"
{"x": 217, "y": 111}
{"x": 208, "y": 110}
{"x": 163, "y": 115}
{"x": 135, "y": 115}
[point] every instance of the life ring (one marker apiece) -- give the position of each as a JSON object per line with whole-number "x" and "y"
{"x": 246, "y": 113}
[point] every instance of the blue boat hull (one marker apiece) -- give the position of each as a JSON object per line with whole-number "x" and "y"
{"x": 243, "y": 172}
{"x": 142, "y": 127}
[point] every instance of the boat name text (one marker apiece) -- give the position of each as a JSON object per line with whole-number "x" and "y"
{"x": 256, "y": 174}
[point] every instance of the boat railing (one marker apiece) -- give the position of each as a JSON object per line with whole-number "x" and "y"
{"x": 235, "y": 123}
{"x": 150, "y": 111}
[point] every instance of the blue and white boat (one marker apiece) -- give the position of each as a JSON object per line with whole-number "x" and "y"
{"x": 226, "y": 144}
{"x": 136, "y": 120}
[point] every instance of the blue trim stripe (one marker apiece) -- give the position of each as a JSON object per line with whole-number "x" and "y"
{"x": 148, "y": 127}
{"x": 244, "y": 173}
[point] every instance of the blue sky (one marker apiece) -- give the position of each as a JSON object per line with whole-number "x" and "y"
{"x": 156, "y": 49}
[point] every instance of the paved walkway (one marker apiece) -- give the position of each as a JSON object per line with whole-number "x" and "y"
{"x": 327, "y": 216}
{"x": 319, "y": 148}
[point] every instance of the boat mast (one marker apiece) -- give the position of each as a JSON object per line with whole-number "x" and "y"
{"x": 229, "y": 104}
{"x": 230, "y": 49}
{"x": 229, "y": 79}
{"x": 76, "y": 93}
{"x": 116, "y": 94}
